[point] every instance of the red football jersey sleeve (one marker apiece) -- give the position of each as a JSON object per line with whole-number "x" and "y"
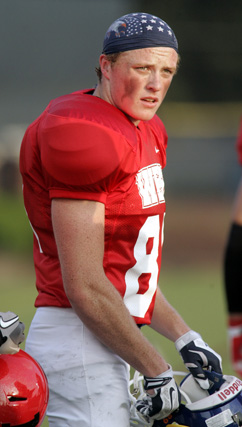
{"x": 81, "y": 158}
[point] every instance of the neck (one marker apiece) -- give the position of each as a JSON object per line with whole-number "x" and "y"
{"x": 99, "y": 92}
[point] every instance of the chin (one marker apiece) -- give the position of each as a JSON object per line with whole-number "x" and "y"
{"x": 147, "y": 117}
{"x": 143, "y": 117}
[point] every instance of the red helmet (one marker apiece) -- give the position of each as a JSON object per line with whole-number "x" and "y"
{"x": 24, "y": 391}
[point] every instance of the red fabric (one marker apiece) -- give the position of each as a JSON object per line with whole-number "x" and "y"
{"x": 235, "y": 321}
{"x": 239, "y": 143}
{"x": 235, "y": 343}
{"x": 81, "y": 147}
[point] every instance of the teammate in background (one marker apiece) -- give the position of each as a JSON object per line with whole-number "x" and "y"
{"x": 94, "y": 193}
{"x": 233, "y": 274}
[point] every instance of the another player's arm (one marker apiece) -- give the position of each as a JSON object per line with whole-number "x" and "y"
{"x": 232, "y": 260}
{"x": 232, "y": 279}
{"x": 237, "y": 207}
{"x": 79, "y": 233}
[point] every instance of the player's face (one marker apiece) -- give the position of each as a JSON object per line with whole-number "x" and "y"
{"x": 138, "y": 81}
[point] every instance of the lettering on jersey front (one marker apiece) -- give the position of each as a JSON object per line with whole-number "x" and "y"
{"x": 151, "y": 186}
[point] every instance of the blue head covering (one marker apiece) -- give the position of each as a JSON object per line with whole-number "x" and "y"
{"x": 138, "y": 31}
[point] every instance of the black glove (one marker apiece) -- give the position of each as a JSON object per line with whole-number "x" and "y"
{"x": 197, "y": 356}
{"x": 11, "y": 333}
{"x": 163, "y": 402}
{"x": 2, "y": 339}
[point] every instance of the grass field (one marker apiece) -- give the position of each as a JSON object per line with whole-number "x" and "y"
{"x": 191, "y": 275}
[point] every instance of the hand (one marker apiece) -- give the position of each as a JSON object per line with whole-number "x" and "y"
{"x": 235, "y": 344}
{"x": 161, "y": 399}
{"x": 197, "y": 356}
{"x": 11, "y": 333}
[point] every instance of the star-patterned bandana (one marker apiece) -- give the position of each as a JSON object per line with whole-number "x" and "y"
{"x": 138, "y": 31}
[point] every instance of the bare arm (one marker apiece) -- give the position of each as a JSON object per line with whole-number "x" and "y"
{"x": 166, "y": 320}
{"x": 79, "y": 233}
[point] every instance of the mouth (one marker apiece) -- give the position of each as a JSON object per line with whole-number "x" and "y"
{"x": 150, "y": 101}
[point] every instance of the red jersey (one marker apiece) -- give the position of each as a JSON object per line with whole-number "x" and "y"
{"x": 239, "y": 144}
{"x": 82, "y": 147}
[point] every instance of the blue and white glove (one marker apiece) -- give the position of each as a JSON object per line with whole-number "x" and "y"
{"x": 197, "y": 356}
{"x": 164, "y": 400}
{"x": 11, "y": 333}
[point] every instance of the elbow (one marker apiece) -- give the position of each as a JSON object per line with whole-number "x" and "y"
{"x": 75, "y": 294}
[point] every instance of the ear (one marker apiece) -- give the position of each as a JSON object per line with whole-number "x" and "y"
{"x": 105, "y": 66}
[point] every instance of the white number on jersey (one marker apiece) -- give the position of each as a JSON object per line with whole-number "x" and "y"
{"x": 136, "y": 303}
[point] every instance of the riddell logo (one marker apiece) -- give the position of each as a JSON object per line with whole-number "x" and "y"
{"x": 226, "y": 393}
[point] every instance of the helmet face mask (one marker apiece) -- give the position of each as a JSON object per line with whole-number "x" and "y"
{"x": 199, "y": 408}
{"x": 23, "y": 391}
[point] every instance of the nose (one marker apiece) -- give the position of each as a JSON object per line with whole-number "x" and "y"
{"x": 155, "y": 82}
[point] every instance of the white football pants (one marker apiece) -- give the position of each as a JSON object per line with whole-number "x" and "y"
{"x": 88, "y": 383}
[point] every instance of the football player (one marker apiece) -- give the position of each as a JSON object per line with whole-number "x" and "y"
{"x": 94, "y": 192}
{"x": 233, "y": 273}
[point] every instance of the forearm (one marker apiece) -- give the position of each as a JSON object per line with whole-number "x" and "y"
{"x": 105, "y": 314}
{"x": 79, "y": 233}
{"x": 166, "y": 320}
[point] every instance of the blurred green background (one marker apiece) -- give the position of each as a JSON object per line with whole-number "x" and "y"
{"x": 51, "y": 47}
